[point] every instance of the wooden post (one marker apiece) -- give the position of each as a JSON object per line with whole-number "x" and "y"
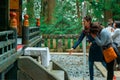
{"x": 66, "y": 44}
{"x": 25, "y": 30}
{"x": 26, "y": 21}
{"x": 38, "y": 22}
{"x": 48, "y": 42}
{"x": 13, "y": 20}
{"x": 13, "y": 26}
{"x": 54, "y": 44}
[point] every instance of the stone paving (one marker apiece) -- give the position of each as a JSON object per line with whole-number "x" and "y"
{"x": 74, "y": 66}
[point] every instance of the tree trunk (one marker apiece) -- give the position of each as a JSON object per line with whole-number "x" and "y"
{"x": 78, "y": 11}
{"x": 107, "y": 13}
{"x": 48, "y": 9}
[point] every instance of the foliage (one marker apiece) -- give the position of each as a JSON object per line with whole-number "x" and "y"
{"x": 30, "y": 12}
{"x": 116, "y": 11}
{"x": 65, "y": 18}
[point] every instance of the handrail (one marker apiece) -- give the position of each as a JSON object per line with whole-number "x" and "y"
{"x": 31, "y": 36}
{"x": 6, "y": 32}
{"x": 7, "y": 49}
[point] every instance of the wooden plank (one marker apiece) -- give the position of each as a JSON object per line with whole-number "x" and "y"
{"x": 4, "y": 17}
{"x": 54, "y": 43}
{"x": 14, "y": 4}
{"x": 66, "y": 43}
{"x": 71, "y": 42}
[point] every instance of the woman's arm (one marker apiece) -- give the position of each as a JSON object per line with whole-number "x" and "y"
{"x": 101, "y": 40}
{"x": 79, "y": 40}
{"x": 77, "y": 43}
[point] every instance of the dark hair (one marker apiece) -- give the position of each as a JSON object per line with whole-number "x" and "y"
{"x": 88, "y": 18}
{"x": 117, "y": 24}
{"x": 95, "y": 28}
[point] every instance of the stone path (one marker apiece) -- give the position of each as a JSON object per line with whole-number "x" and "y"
{"x": 73, "y": 64}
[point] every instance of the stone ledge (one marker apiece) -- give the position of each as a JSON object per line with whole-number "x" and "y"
{"x": 101, "y": 68}
{"x": 104, "y": 71}
{"x": 74, "y": 53}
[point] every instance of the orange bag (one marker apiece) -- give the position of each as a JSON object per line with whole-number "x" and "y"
{"x": 109, "y": 54}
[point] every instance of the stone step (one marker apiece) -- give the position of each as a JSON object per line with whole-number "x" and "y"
{"x": 86, "y": 78}
{"x": 32, "y": 68}
{"x": 58, "y": 74}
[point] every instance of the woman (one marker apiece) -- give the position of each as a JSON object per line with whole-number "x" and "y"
{"x": 116, "y": 39}
{"x": 103, "y": 38}
{"x": 95, "y": 52}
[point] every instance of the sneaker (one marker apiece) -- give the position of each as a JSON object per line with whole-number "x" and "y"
{"x": 114, "y": 77}
{"x": 118, "y": 68}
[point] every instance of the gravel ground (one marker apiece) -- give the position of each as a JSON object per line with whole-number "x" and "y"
{"x": 74, "y": 66}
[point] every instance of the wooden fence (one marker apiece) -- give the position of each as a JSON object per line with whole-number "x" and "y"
{"x": 61, "y": 43}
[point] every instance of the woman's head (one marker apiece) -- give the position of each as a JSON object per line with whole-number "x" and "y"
{"x": 95, "y": 28}
{"x": 116, "y": 24}
{"x": 87, "y": 21}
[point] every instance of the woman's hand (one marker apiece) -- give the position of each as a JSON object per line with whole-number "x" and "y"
{"x": 93, "y": 35}
{"x": 70, "y": 51}
{"x": 89, "y": 45}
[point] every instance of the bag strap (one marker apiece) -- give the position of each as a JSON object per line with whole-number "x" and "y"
{"x": 107, "y": 46}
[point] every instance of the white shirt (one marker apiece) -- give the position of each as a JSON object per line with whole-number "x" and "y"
{"x": 110, "y": 29}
